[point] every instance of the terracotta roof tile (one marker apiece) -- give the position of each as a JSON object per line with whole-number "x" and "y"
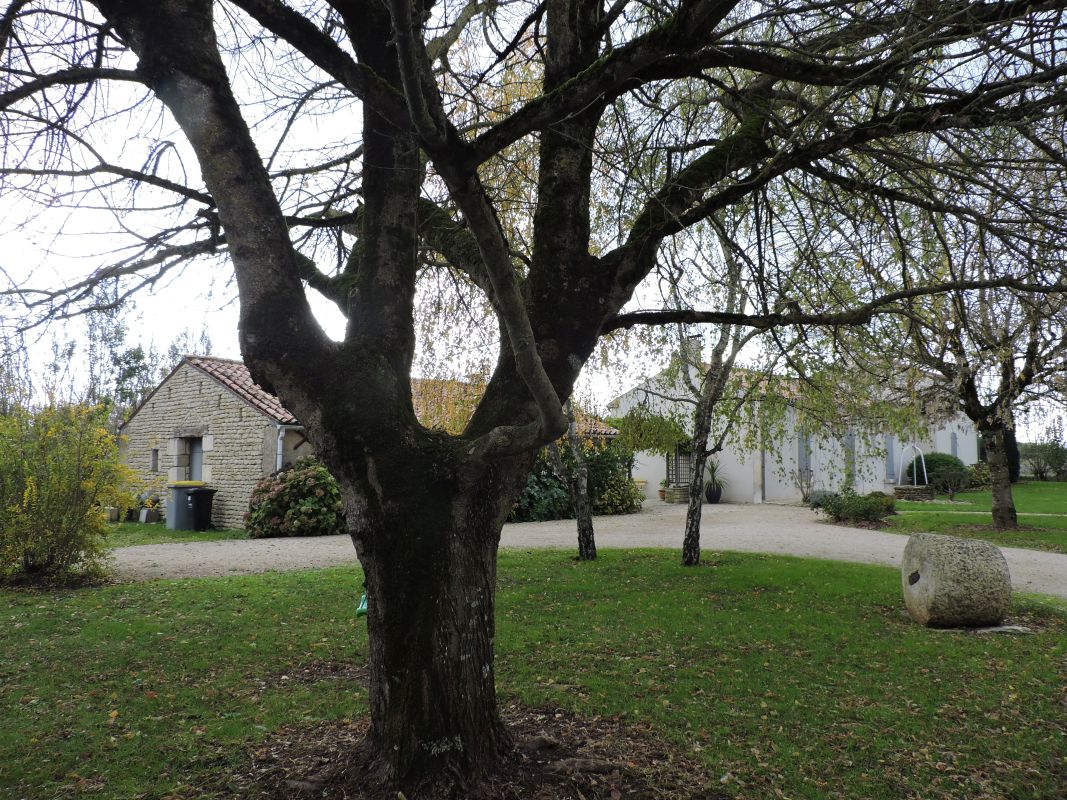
{"x": 589, "y": 425}
{"x": 234, "y": 376}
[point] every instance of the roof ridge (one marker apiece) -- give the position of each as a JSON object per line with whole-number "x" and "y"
{"x": 236, "y": 378}
{"x": 213, "y": 358}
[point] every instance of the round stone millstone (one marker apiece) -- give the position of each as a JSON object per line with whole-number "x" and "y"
{"x": 955, "y": 583}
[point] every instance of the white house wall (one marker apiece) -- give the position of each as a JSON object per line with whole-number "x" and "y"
{"x": 754, "y": 477}
{"x": 651, "y": 468}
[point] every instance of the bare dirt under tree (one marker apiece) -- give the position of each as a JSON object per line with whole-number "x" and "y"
{"x": 557, "y": 755}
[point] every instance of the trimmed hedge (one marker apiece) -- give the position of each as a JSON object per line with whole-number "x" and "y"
{"x": 851, "y": 507}
{"x": 946, "y": 473}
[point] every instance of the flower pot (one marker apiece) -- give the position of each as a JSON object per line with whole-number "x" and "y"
{"x": 662, "y": 494}
{"x": 713, "y": 494}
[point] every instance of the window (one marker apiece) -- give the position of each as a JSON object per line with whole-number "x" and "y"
{"x": 803, "y": 454}
{"x": 679, "y": 467}
{"x": 155, "y": 460}
{"x": 848, "y": 446}
{"x": 890, "y": 457}
{"x": 954, "y": 445}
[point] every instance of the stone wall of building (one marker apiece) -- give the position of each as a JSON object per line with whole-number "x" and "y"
{"x": 239, "y": 443}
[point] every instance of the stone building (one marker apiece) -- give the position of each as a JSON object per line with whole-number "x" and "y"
{"x": 209, "y": 421}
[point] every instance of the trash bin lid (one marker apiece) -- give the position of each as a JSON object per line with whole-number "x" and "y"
{"x": 184, "y": 484}
{"x": 200, "y": 490}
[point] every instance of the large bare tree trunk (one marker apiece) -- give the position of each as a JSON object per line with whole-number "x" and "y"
{"x": 1004, "y": 515}
{"x": 430, "y": 626}
{"x": 428, "y": 546}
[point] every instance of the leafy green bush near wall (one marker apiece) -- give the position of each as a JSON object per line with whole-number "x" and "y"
{"x": 978, "y": 475}
{"x": 851, "y": 507}
{"x": 300, "y": 501}
{"x": 946, "y": 473}
{"x": 59, "y": 468}
{"x": 546, "y": 496}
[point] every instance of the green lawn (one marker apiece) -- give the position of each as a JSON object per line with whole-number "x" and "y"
{"x": 784, "y": 677}
{"x": 127, "y": 534}
{"x": 1038, "y": 497}
{"x": 969, "y": 516}
{"x": 1035, "y": 533}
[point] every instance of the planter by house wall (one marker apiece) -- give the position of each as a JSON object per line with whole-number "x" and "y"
{"x": 913, "y": 492}
{"x": 677, "y": 494}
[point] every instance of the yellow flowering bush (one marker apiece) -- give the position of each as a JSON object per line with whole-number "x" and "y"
{"x": 59, "y": 468}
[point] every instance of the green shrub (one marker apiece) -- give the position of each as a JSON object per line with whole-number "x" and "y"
{"x": 617, "y": 494}
{"x": 851, "y": 507}
{"x": 818, "y": 498}
{"x": 546, "y": 496}
{"x": 947, "y": 474}
{"x": 887, "y": 500}
{"x": 300, "y": 501}
{"x": 59, "y": 468}
{"x": 978, "y": 475}
{"x": 1046, "y": 459}
{"x": 953, "y": 478}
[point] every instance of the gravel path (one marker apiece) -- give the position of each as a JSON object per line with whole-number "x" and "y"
{"x": 783, "y": 530}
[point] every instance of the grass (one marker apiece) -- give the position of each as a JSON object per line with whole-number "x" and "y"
{"x": 1034, "y": 533}
{"x": 781, "y": 675}
{"x": 128, "y": 534}
{"x": 969, "y": 516}
{"x": 1038, "y": 497}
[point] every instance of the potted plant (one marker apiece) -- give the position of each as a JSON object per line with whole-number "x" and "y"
{"x": 149, "y": 507}
{"x": 663, "y": 489}
{"x": 714, "y": 483}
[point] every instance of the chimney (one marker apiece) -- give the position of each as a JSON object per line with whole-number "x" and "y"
{"x": 692, "y": 350}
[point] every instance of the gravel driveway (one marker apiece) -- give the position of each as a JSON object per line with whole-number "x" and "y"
{"x": 783, "y": 530}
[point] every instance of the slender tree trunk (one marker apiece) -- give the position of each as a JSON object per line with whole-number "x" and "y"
{"x": 702, "y": 426}
{"x": 583, "y": 510}
{"x": 577, "y": 480}
{"x": 1004, "y": 515}
{"x": 583, "y": 505}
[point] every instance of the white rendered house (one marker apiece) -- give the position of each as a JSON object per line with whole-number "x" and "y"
{"x": 770, "y": 474}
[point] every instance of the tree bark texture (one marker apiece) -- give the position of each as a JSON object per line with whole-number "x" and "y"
{"x": 577, "y": 480}
{"x": 1004, "y": 514}
{"x": 583, "y": 505}
{"x": 429, "y": 555}
{"x": 702, "y": 427}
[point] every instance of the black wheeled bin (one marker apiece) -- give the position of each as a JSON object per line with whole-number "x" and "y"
{"x": 179, "y": 509}
{"x": 200, "y": 500}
